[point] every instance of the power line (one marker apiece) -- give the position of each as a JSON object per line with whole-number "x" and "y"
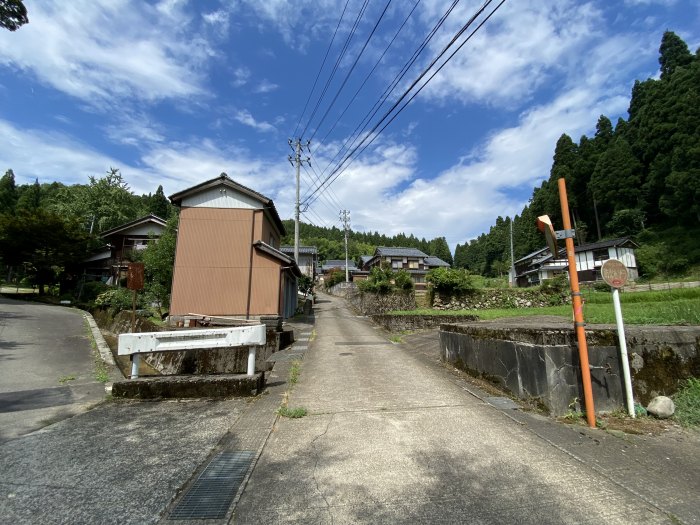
{"x": 323, "y": 63}
{"x": 379, "y": 60}
{"x": 352, "y": 68}
{"x": 346, "y": 45}
{"x": 341, "y": 166}
{"x": 390, "y": 88}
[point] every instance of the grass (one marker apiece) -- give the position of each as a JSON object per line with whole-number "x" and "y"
{"x": 100, "y": 368}
{"x": 293, "y": 413}
{"x": 397, "y": 339}
{"x": 668, "y": 307}
{"x": 63, "y": 380}
{"x": 687, "y": 401}
{"x": 294, "y": 372}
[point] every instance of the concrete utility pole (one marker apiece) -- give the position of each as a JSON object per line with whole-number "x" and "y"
{"x": 297, "y": 147}
{"x": 512, "y": 257}
{"x": 345, "y": 219}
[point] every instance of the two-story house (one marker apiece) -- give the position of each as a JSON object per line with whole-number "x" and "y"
{"x": 414, "y": 261}
{"x": 540, "y": 265}
{"x": 228, "y": 260}
{"x": 308, "y": 259}
{"x": 111, "y": 262}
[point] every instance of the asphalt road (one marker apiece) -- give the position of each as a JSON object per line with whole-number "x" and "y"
{"x": 46, "y": 367}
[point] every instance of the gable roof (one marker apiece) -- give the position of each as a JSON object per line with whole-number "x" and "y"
{"x": 138, "y": 222}
{"x": 225, "y": 180}
{"x": 338, "y": 263}
{"x": 611, "y": 243}
{"x": 384, "y": 251}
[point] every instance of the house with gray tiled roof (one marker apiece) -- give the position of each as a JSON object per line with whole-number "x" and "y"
{"x": 414, "y": 261}
{"x": 308, "y": 258}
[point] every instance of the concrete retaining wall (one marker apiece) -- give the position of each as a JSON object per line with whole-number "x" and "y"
{"x": 400, "y": 323}
{"x": 539, "y": 360}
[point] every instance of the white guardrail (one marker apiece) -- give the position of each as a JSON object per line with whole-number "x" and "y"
{"x": 149, "y": 342}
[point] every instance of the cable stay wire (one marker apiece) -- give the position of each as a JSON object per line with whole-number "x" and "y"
{"x": 352, "y": 68}
{"x": 320, "y": 69}
{"x": 337, "y": 170}
{"x": 367, "y": 77}
{"x": 341, "y": 55}
{"x": 357, "y": 132}
{"x": 420, "y": 89}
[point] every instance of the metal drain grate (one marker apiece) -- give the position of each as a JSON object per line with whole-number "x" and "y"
{"x": 211, "y": 494}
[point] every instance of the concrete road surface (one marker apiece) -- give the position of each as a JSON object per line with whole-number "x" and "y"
{"x": 47, "y": 369}
{"x": 389, "y": 439}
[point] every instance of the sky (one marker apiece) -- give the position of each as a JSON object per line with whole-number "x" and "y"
{"x": 175, "y": 92}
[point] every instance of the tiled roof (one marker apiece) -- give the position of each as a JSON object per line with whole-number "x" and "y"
{"x": 338, "y": 263}
{"x": 302, "y": 249}
{"x": 436, "y": 261}
{"x": 384, "y": 251}
{"x": 603, "y": 244}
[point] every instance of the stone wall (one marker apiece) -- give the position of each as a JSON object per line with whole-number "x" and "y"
{"x": 374, "y": 304}
{"x": 539, "y": 360}
{"x": 499, "y": 298}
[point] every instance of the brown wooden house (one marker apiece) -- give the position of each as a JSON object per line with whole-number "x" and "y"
{"x": 228, "y": 261}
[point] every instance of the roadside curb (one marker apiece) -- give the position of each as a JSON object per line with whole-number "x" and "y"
{"x": 100, "y": 342}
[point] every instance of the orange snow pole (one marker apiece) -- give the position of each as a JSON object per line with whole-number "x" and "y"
{"x": 578, "y": 308}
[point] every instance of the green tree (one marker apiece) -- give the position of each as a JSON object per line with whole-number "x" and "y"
{"x": 13, "y": 14}
{"x": 30, "y": 198}
{"x": 46, "y": 243}
{"x": 159, "y": 260}
{"x": 438, "y": 247}
{"x": 103, "y": 203}
{"x": 673, "y": 53}
{"x": 8, "y": 192}
{"x": 159, "y": 205}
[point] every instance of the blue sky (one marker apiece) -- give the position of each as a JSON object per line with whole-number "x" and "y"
{"x": 175, "y": 92}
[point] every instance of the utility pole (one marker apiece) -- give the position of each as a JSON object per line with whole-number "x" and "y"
{"x": 296, "y": 160}
{"x": 512, "y": 257}
{"x": 345, "y": 219}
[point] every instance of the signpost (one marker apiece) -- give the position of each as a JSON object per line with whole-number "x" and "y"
{"x": 615, "y": 273}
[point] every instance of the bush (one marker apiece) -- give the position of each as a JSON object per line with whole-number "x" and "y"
{"x": 451, "y": 281}
{"x": 335, "y": 277}
{"x": 403, "y": 281}
{"x": 91, "y": 289}
{"x": 556, "y": 286}
{"x": 379, "y": 281}
{"x": 118, "y": 299}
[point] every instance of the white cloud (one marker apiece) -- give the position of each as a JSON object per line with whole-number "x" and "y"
{"x": 265, "y": 86}
{"x": 244, "y": 117}
{"x": 519, "y": 50}
{"x": 135, "y": 130}
{"x": 104, "y": 50}
{"x": 241, "y": 76}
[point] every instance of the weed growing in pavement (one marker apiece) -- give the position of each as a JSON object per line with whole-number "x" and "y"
{"x": 294, "y": 372}
{"x": 63, "y": 380}
{"x": 293, "y": 413}
{"x": 396, "y": 339}
{"x": 687, "y": 401}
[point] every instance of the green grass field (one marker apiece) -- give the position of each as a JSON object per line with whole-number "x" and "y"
{"x": 671, "y": 307}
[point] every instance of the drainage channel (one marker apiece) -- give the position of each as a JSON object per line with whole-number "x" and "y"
{"x": 212, "y": 493}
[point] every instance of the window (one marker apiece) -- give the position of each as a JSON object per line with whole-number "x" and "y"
{"x": 601, "y": 255}
{"x": 396, "y": 264}
{"x": 413, "y": 265}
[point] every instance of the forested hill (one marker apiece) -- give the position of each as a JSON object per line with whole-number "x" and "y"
{"x": 641, "y": 177}
{"x": 331, "y": 242}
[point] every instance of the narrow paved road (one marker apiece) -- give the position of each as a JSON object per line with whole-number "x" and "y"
{"x": 389, "y": 439}
{"x": 47, "y": 371}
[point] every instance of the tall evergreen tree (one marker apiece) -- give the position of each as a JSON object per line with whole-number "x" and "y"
{"x": 673, "y": 53}
{"x": 8, "y": 192}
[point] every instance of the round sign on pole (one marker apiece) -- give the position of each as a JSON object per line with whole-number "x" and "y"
{"x": 614, "y": 273}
